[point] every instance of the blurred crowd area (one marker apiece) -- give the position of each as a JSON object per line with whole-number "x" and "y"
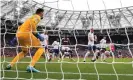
{"x": 8, "y": 50}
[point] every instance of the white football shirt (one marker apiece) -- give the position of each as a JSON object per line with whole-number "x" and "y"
{"x": 56, "y": 45}
{"x": 45, "y": 39}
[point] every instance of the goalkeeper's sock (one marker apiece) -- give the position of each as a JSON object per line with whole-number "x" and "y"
{"x": 17, "y": 58}
{"x": 36, "y": 57}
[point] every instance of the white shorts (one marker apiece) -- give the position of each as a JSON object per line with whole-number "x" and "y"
{"x": 65, "y": 48}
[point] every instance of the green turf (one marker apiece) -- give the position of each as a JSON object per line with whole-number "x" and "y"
{"x": 70, "y": 70}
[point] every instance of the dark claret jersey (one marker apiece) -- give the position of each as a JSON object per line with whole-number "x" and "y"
{"x": 65, "y": 41}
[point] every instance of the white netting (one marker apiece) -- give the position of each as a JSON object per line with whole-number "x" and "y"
{"x": 115, "y": 24}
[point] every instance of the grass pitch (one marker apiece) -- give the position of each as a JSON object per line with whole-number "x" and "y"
{"x": 70, "y": 69}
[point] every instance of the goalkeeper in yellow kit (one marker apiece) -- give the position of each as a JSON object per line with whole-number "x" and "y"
{"x": 28, "y": 37}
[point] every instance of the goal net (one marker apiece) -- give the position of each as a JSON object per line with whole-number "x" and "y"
{"x": 71, "y": 28}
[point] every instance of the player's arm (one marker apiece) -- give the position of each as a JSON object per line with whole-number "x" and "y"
{"x": 53, "y": 43}
{"x": 95, "y": 37}
{"x": 34, "y": 22}
{"x": 101, "y": 41}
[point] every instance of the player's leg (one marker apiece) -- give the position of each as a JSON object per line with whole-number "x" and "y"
{"x": 23, "y": 43}
{"x": 63, "y": 55}
{"x": 60, "y": 55}
{"x": 57, "y": 54}
{"x": 87, "y": 53}
{"x": 95, "y": 53}
{"x": 35, "y": 43}
{"x": 71, "y": 55}
{"x": 20, "y": 55}
{"x": 45, "y": 55}
{"x": 53, "y": 54}
{"x": 103, "y": 54}
{"x": 107, "y": 54}
{"x": 17, "y": 58}
{"x": 35, "y": 58}
{"x": 48, "y": 54}
{"x": 98, "y": 54}
{"x": 104, "y": 58}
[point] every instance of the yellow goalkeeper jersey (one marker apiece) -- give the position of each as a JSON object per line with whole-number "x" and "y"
{"x": 30, "y": 25}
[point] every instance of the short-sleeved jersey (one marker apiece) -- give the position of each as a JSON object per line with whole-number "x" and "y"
{"x": 45, "y": 39}
{"x": 103, "y": 43}
{"x": 55, "y": 45}
{"x": 30, "y": 25}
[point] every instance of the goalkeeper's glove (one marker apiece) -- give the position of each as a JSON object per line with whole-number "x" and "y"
{"x": 13, "y": 41}
{"x": 39, "y": 37}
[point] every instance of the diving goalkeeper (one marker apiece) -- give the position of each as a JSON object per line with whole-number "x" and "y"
{"x": 28, "y": 38}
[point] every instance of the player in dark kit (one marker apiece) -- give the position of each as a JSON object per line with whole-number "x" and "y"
{"x": 65, "y": 41}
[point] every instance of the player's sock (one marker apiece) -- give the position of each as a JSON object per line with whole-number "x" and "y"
{"x": 63, "y": 57}
{"x": 102, "y": 55}
{"x": 17, "y": 58}
{"x": 98, "y": 54}
{"x": 53, "y": 56}
{"x": 94, "y": 56}
{"x": 86, "y": 56}
{"x": 50, "y": 58}
{"x": 36, "y": 57}
{"x": 46, "y": 57}
{"x": 104, "y": 58}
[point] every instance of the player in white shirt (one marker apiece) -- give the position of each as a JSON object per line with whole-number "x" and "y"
{"x": 45, "y": 45}
{"x": 56, "y": 47}
{"x": 103, "y": 48}
{"x": 91, "y": 46}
